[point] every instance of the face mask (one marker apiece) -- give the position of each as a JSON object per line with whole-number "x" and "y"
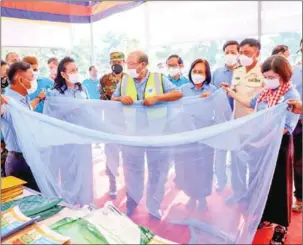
{"x": 4, "y": 82}
{"x": 94, "y": 75}
{"x": 133, "y": 73}
{"x": 289, "y": 59}
{"x": 73, "y": 78}
{"x": 117, "y": 69}
{"x": 197, "y": 79}
{"x": 33, "y": 87}
{"x": 173, "y": 71}
{"x": 231, "y": 59}
{"x": 53, "y": 72}
{"x": 36, "y": 74}
{"x": 272, "y": 83}
{"x": 245, "y": 61}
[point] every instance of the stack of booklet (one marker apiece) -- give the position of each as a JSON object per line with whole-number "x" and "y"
{"x": 106, "y": 226}
{"x": 16, "y": 228}
{"x": 11, "y": 187}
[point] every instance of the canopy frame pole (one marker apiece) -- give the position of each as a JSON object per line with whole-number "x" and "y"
{"x": 147, "y": 28}
{"x": 92, "y": 41}
{"x": 259, "y": 20}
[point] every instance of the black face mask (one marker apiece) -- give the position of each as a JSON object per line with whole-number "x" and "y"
{"x": 4, "y": 82}
{"x": 117, "y": 69}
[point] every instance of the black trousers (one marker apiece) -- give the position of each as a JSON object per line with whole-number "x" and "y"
{"x": 297, "y": 135}
{"x": 16, "y": 165}
{"x": 279, "y": 202}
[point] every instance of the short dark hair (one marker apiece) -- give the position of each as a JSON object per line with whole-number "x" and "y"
{"x": 53, "y": 60}
{"x": 3, "y": 63}
{"x": 143, "y": 58}
{"x": 16, "y": 67}
{"x": 251, "y": 42}
{"x": 279, "y": 48}
{"x": 180, "y": 61}
{"x": 231, "y": 42}
{"x": 91, "y": 67}
{"x": 8, "y": 54}
{"x": 279, "y": 65}
{"x": 207, "y": 68}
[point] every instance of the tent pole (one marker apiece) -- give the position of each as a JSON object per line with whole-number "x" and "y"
{"x": 92, "y": 43}
{"x": 259, "y": 20}
{"x": 147, "y": 28}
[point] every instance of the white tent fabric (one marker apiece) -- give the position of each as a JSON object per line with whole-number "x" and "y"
{"x": 159, "y": 23}
{"x": 26, "y": 33}
{"x": 189, "y": 21}
{"x": 281, "y": 16}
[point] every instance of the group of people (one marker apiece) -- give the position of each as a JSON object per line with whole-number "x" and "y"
{"x": 250, "y": 86}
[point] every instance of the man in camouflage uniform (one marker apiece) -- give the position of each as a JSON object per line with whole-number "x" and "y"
{"x": 108, "y": 84}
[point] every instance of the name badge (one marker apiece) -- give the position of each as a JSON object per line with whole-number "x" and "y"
{"x": 149, "y": 90}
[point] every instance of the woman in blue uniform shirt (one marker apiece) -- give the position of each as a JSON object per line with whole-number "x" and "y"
{"x": 279, "y": 89}
{"x": 67, "y": 85}
{"x": 67, "y": 81}
{"x": 200, "y": 78}
{"x": 194, "y": 168}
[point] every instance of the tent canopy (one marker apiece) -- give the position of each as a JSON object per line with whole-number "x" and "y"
{"x": 64, "y": 11}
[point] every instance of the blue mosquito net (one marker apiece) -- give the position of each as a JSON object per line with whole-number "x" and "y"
{"x": 168, "y": 157}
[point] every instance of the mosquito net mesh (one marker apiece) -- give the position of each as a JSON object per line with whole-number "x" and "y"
{"x": 168, "y": 157}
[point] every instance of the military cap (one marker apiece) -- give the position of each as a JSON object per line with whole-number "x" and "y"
{"x": 116, "y": 56}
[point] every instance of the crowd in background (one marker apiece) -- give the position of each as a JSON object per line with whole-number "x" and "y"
{"x": 250, "y": 85}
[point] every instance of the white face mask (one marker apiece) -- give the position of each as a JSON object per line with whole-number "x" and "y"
{"x": 245, "y": 60}
{"x": 231, "y": 59}
{"x": 133, "y": 73}
{"x": 73, "y": 78}
{"x": 94, "y": 75}
{"x": 173, "y": 71}
{"x": 197, "y": 79}
{"x": 36, "y": 74}
{"x": 272, "y": 83}
{"x": 53, "y": 71}
{"x": 33, "y": 87}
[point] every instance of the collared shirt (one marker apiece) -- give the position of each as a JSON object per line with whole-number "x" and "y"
{"x": 247, "y": 84}
{"x": 44, "y": 83}
{"x": 297, "y": 79}
{"x": 180, "y": 82}
{"x": 140, "y": 87}
{"x": 223, "y": 75}
{"x": 108, "y": 85}
{"x": 71, "y": 93}
{"x": 7, "y": 128}
{"x": 92, "y": 88}
{"x": 190, "y": 90}
{"x": 291, "y": 118}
